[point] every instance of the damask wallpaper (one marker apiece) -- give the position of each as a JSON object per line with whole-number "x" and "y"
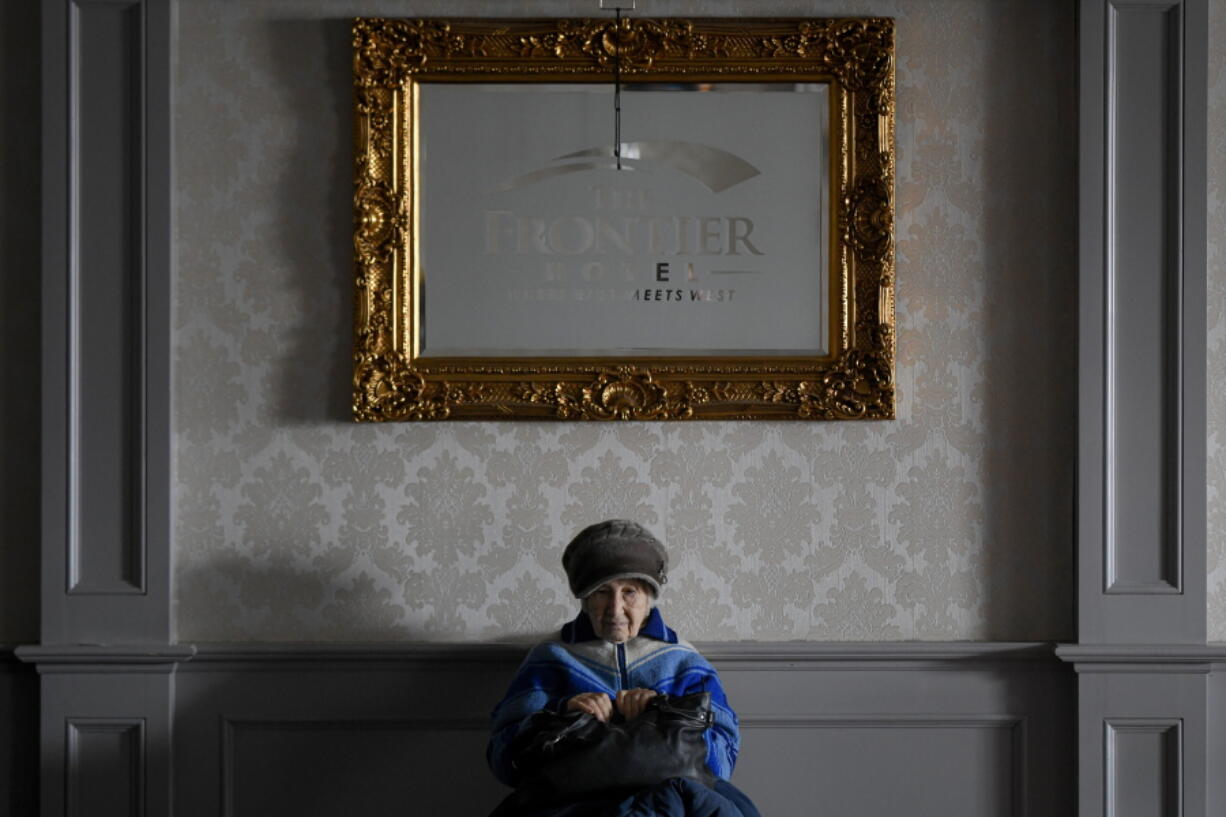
{"x": 1217, "y": 321}
{"x": 953, "y": 522}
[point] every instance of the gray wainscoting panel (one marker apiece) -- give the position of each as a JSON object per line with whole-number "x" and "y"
{"x": 18, "y": 737}
{"x": 320, "y": 731}
{"x": 1144, "y": 760}
{"x": 864, "y": 731}
{"x": 870, "y": 765}
{"x": 106, "y": 291}
{"x": 105, "y": 769}
{"x": 826, "y": 729}
{"x": 381, "y": 766}
{"x": 1142, "y": 357}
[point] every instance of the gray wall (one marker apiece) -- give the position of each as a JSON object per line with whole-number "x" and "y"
{"x": 954, "y": 522}
{"x": 19, "y": 321}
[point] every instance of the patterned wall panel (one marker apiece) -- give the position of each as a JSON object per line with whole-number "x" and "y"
{"x": 1217, "y": 321}
{"x": 953, "y": 522}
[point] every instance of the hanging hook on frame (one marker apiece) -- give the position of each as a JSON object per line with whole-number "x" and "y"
{"x": 618, "y": 6}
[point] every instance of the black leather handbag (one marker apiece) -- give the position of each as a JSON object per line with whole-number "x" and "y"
{"x": 575, "y": 755}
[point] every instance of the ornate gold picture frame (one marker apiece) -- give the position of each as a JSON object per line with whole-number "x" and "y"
{"x": 812, "y": 334}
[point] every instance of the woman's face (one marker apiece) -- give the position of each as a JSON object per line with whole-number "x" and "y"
{"x": 618, "y": 609}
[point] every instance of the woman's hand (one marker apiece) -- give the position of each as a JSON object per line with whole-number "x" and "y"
{"x": 632, "y": 702}
{"x": 596, "y": 704}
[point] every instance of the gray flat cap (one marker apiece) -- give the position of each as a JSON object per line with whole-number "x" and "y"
{"x": 614, "y": 549}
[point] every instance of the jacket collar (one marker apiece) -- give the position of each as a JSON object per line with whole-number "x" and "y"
{"x": 654, "y": 627}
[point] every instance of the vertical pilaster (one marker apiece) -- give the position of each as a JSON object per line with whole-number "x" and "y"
{"x": 106, "y": 283}
{"x": 106, "y": 660}
{"x": 1142, "y": 343}
{"x": 1144, "y": 670}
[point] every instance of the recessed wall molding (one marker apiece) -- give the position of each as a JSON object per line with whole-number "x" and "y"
{"x": 1144, "y": 766}
{"x": 1144, "y": 299}
{"x": 105, "y": 300}
{"x": 106, "y": 767}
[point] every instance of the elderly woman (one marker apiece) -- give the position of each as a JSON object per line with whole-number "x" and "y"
{"x": 610, "y": 662}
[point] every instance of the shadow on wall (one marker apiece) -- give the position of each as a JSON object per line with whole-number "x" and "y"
{"x": 314, "y": 219}
{"x": 1030, "y": 258}
{"x": 20, "y": 160}
{"x": 279, "y": 601}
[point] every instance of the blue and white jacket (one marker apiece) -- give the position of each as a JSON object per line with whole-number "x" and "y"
{"x": 580, "y": 661}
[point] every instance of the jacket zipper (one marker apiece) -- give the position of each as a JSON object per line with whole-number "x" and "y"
{"x": 621, "y": 666}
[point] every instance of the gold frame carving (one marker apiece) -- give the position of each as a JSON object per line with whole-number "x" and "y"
{"x": 854, "y": 381}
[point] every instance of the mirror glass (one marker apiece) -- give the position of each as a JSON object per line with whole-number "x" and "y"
{"x": 713, "y": 237}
